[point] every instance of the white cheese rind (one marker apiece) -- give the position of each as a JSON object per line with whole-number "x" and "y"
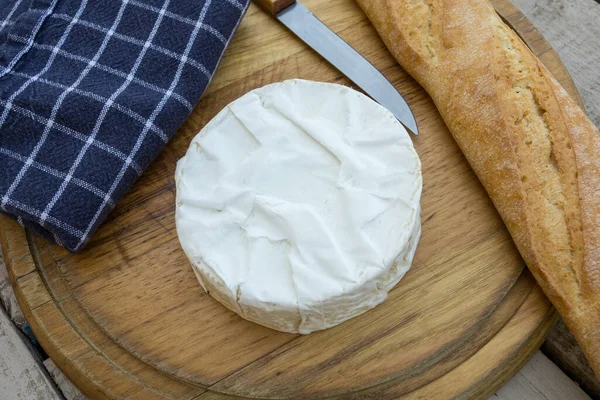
{"x": 298, "y": 205}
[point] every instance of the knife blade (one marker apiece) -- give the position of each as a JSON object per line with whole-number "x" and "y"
{"x": 341, "y": 55}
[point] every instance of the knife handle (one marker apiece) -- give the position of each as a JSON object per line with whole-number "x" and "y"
{"x": 274, "y": 6}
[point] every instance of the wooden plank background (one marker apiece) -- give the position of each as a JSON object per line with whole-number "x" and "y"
{"x": 21, "y": 374}
{"x": 571, "y": 26}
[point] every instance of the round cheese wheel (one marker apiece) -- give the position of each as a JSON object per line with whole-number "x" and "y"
{"x": 298, "y": 205}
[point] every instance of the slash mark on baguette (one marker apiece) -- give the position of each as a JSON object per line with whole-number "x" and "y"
{"x": 543, "y": 174}
{"x": 425, "y": 44}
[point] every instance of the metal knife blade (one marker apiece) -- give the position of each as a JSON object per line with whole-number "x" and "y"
{"x": 342, "y": 56}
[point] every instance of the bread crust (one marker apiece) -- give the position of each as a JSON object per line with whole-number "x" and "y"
{"x": 533, "y": 148}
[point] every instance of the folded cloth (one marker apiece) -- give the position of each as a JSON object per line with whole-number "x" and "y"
{"x": 90, "y": 92}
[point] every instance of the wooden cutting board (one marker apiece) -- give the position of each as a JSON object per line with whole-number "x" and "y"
{"x": 126, "y": 318}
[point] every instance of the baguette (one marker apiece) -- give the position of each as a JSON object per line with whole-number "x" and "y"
{"x": 535, "y": 151}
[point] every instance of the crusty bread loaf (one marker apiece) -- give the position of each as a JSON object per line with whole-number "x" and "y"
{"x": 532, "y": 147}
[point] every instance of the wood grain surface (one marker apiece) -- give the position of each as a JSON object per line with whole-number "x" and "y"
{"x": 127, "y": 318}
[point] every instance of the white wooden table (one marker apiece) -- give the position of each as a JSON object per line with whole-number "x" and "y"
{"x": 573, "y": 29}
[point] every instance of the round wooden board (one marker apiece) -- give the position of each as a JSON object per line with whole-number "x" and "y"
{"x": 126, "y": 318}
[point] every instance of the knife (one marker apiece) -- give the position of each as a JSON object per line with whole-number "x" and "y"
{"x": 342, "y": 56}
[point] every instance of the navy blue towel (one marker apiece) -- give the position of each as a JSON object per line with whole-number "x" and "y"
{"x": 90, "y": 92}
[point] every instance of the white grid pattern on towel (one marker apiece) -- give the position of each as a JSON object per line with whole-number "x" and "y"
{"x": 102, "y": 115}
{"x": 56, "y": 173}
{"x": 50, "y": 124}
{"x": 109, "y": 103}
{"x": 54, "y": 221}
{"x": 189, "y": 21}
{"x": 30, "y": 40}
{"x": 9, "y": 104}
{"x": 155, "y": 113}
{"x": 77, "y": 135}
{"x": 106, "y": 68}
{"x": 140, "y": 43}
{"x": 236, "y": 3}
{"x": 185, "y": 20}
{"x": 7, "y": 20}
{"x": 101, "y": 99}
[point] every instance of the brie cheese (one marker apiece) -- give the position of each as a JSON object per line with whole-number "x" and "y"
{"x": 298, "y": 205}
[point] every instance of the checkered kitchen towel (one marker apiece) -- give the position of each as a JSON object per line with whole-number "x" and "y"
{"x": 90, "y": 92}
